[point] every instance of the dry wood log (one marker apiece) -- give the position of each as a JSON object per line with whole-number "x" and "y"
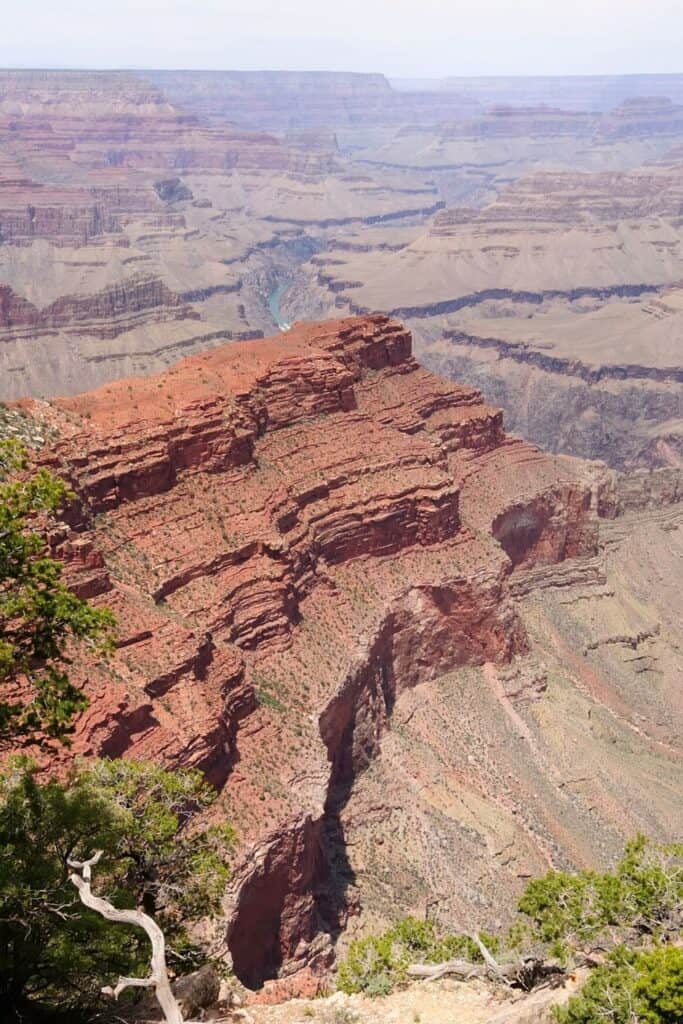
{"x": 525, "y": 974}
{"x": 490, "y": 961}
{"x": 462, "y": 969}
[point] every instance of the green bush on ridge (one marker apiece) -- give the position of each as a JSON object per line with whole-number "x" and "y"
{"x": 644, "y": 894}
{"x": 631, "y": 988}
{"x": 638, "y": 905}
{"x": 40, "y": 616}
{"x": 376, "y": 963}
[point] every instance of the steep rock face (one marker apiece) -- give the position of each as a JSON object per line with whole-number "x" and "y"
{"x": 636, "y": 117}
{"x": 548, "y": 760}
{"x": 504, "y": 121}
{"x": 643, "y": 116}
{"x": 296, "y": 535}
{"x": 620, "y": 403}
{"x": 104, "y": 314}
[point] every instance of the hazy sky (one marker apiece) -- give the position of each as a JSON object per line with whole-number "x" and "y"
{"x": 419, "y": 38}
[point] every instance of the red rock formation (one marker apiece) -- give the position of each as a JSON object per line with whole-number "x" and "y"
{"x": 292, "y": 533}
{"x": 103, "y": 314}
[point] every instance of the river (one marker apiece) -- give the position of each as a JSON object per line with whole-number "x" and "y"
{"x": 274, "y": 300}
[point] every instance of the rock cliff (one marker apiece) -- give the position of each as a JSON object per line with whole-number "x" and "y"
{"x": 278, "y": 100}
{"x": 319, "y": 554}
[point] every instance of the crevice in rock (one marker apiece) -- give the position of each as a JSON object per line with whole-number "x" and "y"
{"x": 295, "y": 897}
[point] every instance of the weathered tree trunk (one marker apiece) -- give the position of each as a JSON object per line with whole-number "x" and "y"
{"x": 525, "y": 974}
{"x": 490, "y": 961}
{"x": 158, "y": 978}
{"x": 462, "y": 969}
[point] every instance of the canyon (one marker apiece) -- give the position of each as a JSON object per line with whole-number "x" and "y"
{"x": 527, "y": 231}
{"x": 369, "y": 393}
{"x": 421, "y": 660}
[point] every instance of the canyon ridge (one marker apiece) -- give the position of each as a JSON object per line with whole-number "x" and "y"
{"x": 422, "y": 661}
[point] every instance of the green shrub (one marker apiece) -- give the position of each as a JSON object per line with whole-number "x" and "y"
{"x": 54, "y": 954}
{"x": 632, "y": 988}
{"x": 651, "y": 883}
{"x": 659, "y": 986}
{"x": 415, "y": 935}
{"x": 562, "y": 908}
{"x": 376, "y": 963}
{"x": 41, "y": 618}
{"x": 643, "y": 893}
{"x": 371, "y": 963}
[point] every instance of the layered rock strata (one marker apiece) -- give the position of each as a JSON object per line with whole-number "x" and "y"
{"x": 560, "y": 300}
{"x": 295, "y": 534}
{"x": 278, "y": 100}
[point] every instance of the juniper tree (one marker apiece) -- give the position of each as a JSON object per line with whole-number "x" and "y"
{"x": 39, "y": 614}
{"x": 56, "y": 955}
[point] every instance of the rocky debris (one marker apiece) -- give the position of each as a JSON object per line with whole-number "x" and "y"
{"x": 14, "y": 425}
{"x": 524, "y": 681}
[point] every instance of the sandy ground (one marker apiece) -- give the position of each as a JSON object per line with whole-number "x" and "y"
{"x": 442, "y": 1002}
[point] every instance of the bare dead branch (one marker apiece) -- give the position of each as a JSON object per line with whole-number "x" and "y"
{"x": 526, "y": 974}
{"x": 158, "y": 978}
{"x": 490, "y": 960}
{"x": 462, "y": 969}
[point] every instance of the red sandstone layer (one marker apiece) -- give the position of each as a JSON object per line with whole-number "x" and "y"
{"x": 292, "y": 532}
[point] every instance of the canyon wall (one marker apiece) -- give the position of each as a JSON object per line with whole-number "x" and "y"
{"x": 421, "y": 659}
{"x": 573, "y": 92}
{"x": 278, "y": 100}
{"x": 339, "y": 590}
{"x": 560, "y": 300}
